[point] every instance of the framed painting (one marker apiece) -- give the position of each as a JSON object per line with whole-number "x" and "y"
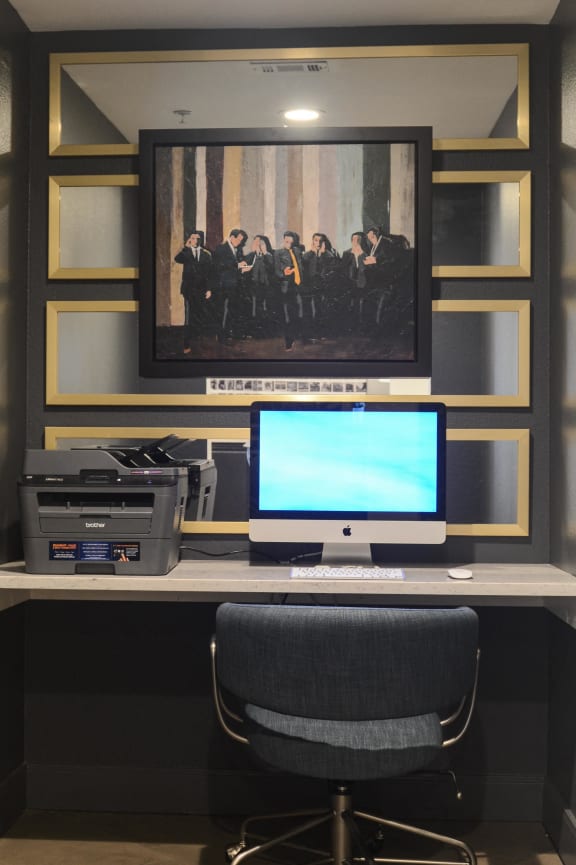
{"x": 275, "y": 251}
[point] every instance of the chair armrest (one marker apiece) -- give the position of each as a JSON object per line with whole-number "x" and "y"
{"x": 472, "y": 702}
{"x": 221, "y": 707}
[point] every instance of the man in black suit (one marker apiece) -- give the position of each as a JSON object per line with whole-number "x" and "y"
{"x": 195, "y": 287}
{"x": 229, "y": 264}
{"x": 388, "y": 270}
{"x": 319, "y": 297}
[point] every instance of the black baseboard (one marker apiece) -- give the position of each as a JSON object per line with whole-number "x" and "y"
{"x": 560, "y": 823}
{"x": 173, "y": 791}
{"x": 12, "y": 797}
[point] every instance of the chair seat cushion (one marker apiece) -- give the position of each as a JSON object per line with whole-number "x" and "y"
{"x": 344, "y": 750}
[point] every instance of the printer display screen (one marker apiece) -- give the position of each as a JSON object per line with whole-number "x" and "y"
{"x": 95, "y": 551}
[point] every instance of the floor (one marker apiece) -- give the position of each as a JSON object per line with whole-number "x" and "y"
{"x": 68, "y": 838}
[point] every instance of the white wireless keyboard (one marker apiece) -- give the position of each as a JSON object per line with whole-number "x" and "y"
{"x": 346, "y": 572}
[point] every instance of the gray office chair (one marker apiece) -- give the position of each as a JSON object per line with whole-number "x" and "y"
{"x": 344, "y": 693}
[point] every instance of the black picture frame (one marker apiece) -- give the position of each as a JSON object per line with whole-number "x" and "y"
{"x": 322, "y": 181}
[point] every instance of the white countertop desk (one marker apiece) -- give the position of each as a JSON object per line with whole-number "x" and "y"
{"x": 539, "y": 585}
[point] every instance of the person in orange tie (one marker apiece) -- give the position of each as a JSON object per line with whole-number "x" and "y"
{"x": 288, "y": 269}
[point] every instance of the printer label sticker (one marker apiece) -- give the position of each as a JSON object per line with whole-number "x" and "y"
{"x": 125, "y": 552}
{"x": 61, "y": 550}
{"x": 95, "y": 551}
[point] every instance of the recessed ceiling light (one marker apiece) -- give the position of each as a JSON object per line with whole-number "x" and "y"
{"x": 302, "y": 114}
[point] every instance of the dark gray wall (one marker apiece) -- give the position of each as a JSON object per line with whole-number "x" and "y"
{"x": 560, "y": 787}
{"x": 563, "y": 284}
{"x": 535, "y": 289}
{"x": 12, "y": 766}
{"x": 14, "y": 53}
{"x": 560, "y": 798}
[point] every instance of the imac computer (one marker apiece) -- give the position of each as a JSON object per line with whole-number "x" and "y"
{"x": 347, "y": 475}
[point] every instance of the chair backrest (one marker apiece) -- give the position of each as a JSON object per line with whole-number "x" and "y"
{"x": 347, "y": 663}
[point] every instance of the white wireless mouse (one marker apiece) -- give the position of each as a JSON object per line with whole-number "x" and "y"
{"x": 460, "y": 573}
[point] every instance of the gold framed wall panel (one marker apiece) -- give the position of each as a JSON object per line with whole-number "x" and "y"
{"x": 55, "y": 239}
{"x": 55, "y": 397}
{"x": 520, "y": 528}
{"x": 520, "y": 51}
{"x": 522, "y": 397}
{"x": 524, "y": 266}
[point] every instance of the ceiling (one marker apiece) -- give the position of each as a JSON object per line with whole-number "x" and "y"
{"x": 458, "y": 101}
{"x": 41, "y": 15}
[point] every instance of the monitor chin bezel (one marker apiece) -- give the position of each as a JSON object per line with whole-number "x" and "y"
{"x": 385, "y": 531}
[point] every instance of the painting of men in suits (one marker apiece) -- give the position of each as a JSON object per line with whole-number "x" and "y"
{"x": 301, "y": 289}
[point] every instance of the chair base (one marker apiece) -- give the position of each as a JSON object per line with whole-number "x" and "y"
{"x": 347, "y": 844}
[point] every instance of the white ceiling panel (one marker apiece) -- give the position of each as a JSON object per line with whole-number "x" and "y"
{"x": 42, "y": 15}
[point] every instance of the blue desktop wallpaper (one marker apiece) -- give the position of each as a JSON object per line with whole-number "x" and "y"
{"x": 348, "y": 461}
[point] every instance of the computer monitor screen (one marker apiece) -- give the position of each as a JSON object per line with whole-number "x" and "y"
{"x": 348, "y": 474}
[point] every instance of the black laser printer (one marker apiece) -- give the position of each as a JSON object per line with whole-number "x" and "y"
{"x": 111, "y": 510}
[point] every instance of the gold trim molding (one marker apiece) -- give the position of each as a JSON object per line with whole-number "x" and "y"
{"x": 55, "y": 269}
{"x": 52, "y": 436}
{"x": 492, "y": 271}
{"x": 55, "y": 397}
{"x": 522, "y": 397}
{"x": 520, "y": 528}
{"x": 522, "y": 269}
{"x": 518, "y": 50}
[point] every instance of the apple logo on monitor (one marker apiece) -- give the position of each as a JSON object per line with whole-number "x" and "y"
{"x": 347, "y": 531}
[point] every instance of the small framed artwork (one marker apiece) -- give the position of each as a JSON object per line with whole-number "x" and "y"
{"x": 279, "y": 251}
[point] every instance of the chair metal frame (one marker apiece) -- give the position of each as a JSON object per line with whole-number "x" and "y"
{"x": 343, "y": 819}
